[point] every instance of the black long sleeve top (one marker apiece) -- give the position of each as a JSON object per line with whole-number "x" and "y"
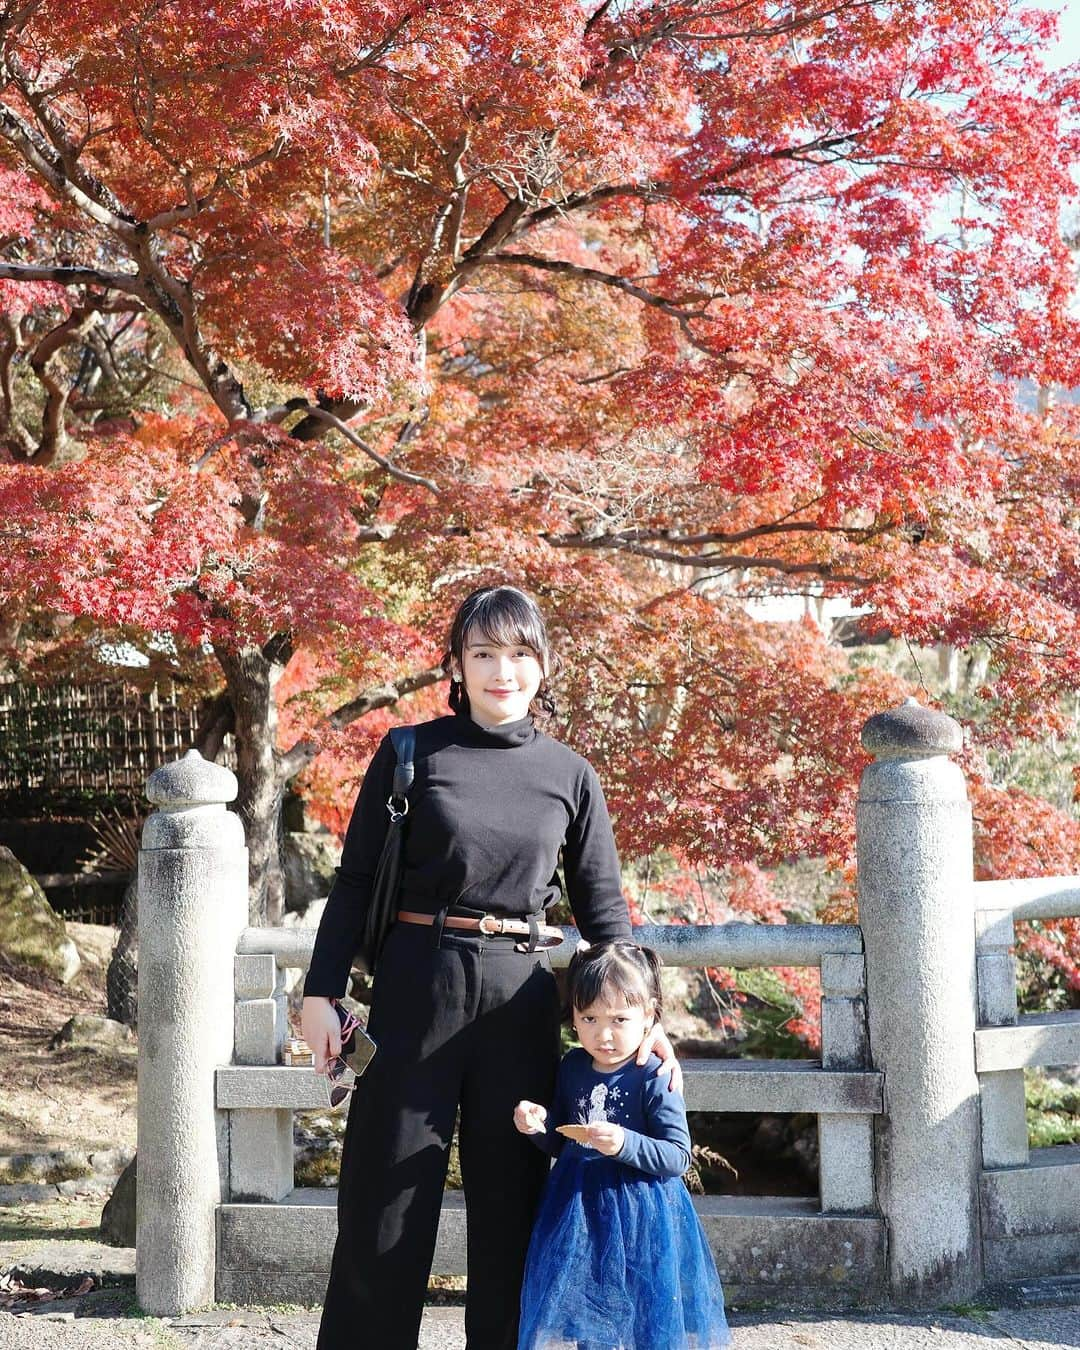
{"x": 489, "y": 810}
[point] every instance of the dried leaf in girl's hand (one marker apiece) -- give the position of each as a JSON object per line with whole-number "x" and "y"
{"x": 578, "y": 1133}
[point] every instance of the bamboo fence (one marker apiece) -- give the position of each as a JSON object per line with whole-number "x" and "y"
{"x": 101, "y": 738}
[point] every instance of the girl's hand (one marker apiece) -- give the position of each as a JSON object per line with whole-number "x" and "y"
{"x": 530, "y": 1118}
{"x": 320, "y": 1027}
{"x": 606, "y": 1139}
{"x": 657, "y": 1043}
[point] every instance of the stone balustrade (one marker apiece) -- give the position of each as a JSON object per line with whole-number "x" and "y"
{"x": 927, "y": 1187}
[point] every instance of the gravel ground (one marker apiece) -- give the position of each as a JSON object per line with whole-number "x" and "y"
{"x": 104, "y": 1320}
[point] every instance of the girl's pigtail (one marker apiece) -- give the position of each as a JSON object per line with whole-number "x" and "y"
{"x": 652, "y": 965}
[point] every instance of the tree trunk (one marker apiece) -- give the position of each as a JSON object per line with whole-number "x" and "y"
{"x": 121, "y": 978}
{"x": 250, "y": 677}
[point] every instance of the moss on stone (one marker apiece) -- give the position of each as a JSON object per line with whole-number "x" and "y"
{"x": 19, "y": 1171}
{"x": 31, "y": 932}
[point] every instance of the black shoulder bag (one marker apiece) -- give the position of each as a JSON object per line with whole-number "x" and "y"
{"x": 383, "y": 907}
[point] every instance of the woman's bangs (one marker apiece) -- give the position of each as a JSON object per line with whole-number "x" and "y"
{"x": 505, "y": 622}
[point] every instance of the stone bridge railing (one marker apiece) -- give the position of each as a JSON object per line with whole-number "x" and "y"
{"x": 927, "y": 1189}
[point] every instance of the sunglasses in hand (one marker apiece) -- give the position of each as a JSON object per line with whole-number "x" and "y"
{"x": 356, "y": 1043}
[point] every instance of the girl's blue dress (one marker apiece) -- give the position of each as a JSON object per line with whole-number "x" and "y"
{"x": 618, "y": 1258}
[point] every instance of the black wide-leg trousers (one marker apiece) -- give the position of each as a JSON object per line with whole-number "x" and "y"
{"x": 459, "y": 1021}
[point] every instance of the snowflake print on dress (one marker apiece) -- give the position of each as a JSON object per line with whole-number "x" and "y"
{"x": 601, "y": 1106}
{"x": 591, "y": 1109}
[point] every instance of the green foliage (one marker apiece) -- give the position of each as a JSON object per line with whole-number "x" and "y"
{"x": 1053, "y": 1110}
{"x": 1041, "y": 985}
{"x": 769, "y": 1008}
{"x": 975, "y": 1312}
{"x": 803, "y": 886}
{"x": 321, "y": 1170}
{"x": 1040, "y": 766}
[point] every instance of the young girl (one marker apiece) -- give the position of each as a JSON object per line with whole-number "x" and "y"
{"x": 618, "y": 1259}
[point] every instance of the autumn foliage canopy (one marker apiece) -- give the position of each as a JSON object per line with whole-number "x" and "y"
{"x": 318, "y": 313}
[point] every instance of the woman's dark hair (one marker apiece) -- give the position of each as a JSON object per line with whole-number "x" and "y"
{"x": 505, "y": 617}
{"x": 619, "y": 969}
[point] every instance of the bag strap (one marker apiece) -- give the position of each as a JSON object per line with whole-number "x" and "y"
{"x": 403, "y": 740}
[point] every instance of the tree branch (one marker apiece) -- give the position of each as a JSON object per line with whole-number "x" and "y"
{"x": 53, "y": 435}
{"x": 724, "y": 561}
{"x": 312, "y": 410}
{"x": 46, "y": 162}
{"x": 128, "y": 282}
{"x": 381, "y": 696}
{"x": 596, "y": 16}
{"x": 670, "y": 307}
{"x": 648, "y": 192}
{"x": 859, "y": 533}
{"x": 380, "y": 48}
{"x": 173, "y": 215}
{"x": 564, "y": 268}
{"x": 66, "y": 148}
{"x": 159, "y": 289}
{"x": 217, "y": 719}
{"x": 782, "y": 28}
{"x": 11, "y": 345}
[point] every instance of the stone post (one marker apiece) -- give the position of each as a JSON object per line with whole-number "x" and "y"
{"x": 916, "y": 907}
{"x": 260, "y": 1140}
{"x": 845, "y": 1142}
{"x": 192, "y": 907}
{"x": 1001, "y": 1094}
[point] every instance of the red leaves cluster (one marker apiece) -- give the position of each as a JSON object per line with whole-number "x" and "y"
{"x": 316, "y": 319}
{"x": 1020, "y": 835}
{"x": 676, "y": 309}
{"x": 149, "y": 532}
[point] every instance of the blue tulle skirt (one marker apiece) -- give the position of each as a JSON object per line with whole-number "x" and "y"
{"x": 618, "y": 1261}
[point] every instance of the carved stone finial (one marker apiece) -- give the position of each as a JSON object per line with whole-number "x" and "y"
{"x": 191, "y": 781}
{"x": 912, "y": 732}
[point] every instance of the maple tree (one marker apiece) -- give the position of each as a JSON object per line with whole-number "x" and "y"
{"x": 318, "y": 313}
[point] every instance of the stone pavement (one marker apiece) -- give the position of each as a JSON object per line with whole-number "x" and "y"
{"x": 1042, "y": 1316}
{"x": 103, "y": 1320}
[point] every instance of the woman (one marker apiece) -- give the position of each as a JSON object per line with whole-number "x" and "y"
{"x": 463, "y": 1016}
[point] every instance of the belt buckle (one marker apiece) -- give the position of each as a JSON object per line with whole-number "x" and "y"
{"x": 496, "y": 925}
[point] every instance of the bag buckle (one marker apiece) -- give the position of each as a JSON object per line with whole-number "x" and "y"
{"x": 397, "y": 812}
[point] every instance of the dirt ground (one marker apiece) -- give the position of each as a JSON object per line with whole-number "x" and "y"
{"x": 67, "y": 1218}
{"x": 67, "y": 1098}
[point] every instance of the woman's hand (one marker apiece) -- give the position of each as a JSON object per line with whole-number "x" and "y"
{"x": 320, "y": 1027}
{"x": 606, "y": 1138}
{"x": 657, "y": 1043}
{"x": 530, "y": 1118}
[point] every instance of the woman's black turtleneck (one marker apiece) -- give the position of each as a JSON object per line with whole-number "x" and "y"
{"x": 489, "y": 810}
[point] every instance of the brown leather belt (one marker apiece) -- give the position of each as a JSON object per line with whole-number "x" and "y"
{"x": 491, "y": 925}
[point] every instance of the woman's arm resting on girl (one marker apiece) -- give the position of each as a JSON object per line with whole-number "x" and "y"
{"x": 657, "y": 1043}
